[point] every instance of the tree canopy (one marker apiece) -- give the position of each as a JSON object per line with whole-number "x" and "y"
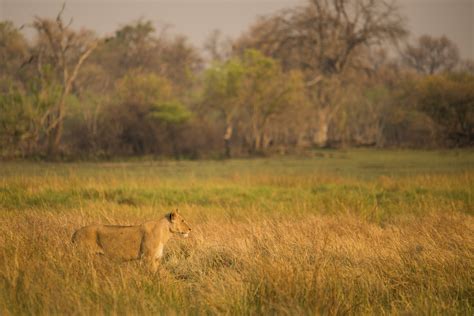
{"x": 314, "y": 75}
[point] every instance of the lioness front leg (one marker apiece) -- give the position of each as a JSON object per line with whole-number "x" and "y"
{"x": 150, "y": 261}
{"x": 151, "y": 256}
{"x": 153, "y": 265}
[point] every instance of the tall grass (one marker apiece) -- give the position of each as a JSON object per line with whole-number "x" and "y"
{"x": 357, "y": 232}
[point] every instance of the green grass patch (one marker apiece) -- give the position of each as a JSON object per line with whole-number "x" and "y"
{"x": 343, "y": 232}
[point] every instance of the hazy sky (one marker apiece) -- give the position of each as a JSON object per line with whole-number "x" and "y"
{"x": 197, "y": 18}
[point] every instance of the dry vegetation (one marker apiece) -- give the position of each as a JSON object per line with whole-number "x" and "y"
{"x": 354, "y": 233}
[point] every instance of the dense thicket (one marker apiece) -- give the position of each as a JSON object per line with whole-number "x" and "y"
{"x": 311, "y": 76}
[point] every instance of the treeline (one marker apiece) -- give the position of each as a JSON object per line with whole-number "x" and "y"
{"x": 319, "y": 75}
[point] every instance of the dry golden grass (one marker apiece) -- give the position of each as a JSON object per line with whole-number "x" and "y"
{"x": 316, "y": 264}
{"x": 381, "y": 245}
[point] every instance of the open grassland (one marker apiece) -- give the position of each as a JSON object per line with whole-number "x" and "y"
{"x": 356, "y": 232}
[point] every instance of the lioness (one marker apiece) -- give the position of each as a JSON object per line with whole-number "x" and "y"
{"x": 133, "y": 242}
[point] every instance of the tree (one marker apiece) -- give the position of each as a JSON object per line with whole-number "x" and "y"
{"x": 140, "y": 46}
{"x": 251, "y": 91}
{"x": 267, "y": 93}
{"x": 449, "y": 101}
{"x": 13, "y": 51}
{"x": 133, "y": 46}
{"x": 467, "y": 66}
{"x": 147, "y": 113}
{"x": 223, "y": 88}
{"x": 65, "y": 51}
{"x": 180, "y": 62}
{"x": 23, "y": 113}
{"x": 218, "y": 49}
{"x": 323, "y": 39}
{"x": 431, "y": 55}
{"x": 14, "y": 121}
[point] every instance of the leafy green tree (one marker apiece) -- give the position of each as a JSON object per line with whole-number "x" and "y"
{"x": 131, "y": 47}
{"x": 170, "y": 112}
{"x": 148, "y": 110}
{"x": 14, "y": 120}
{"x": 140, "y": 46}
{"x": 13, "y": 51}
{"x": 24, "y": 115}
{"x": 268, "y": 92}
{"x": 400, "y": 122}
{"x": 223, "y": 90}
{"x": 250, "y": 92}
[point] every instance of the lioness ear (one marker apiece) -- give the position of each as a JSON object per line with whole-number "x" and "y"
{"x": 173, "y": 216}
{"x": 176, "y": 211}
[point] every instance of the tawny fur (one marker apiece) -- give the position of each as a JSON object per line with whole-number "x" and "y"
{"x": 145, "y": 241}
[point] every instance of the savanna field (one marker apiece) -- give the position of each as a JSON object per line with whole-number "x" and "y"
{"x": 338, "y": 232}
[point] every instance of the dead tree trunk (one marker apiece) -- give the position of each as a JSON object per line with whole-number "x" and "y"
{"x": 227, "y": 140}
{"x": 60, "y": 40}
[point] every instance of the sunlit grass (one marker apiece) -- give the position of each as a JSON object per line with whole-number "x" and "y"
{"x": 340, "y": 233}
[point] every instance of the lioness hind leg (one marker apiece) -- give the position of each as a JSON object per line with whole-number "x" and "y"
{"x": 87, "y": 237}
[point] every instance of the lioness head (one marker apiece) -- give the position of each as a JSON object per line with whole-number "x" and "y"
{"x": 179, "y": 224}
